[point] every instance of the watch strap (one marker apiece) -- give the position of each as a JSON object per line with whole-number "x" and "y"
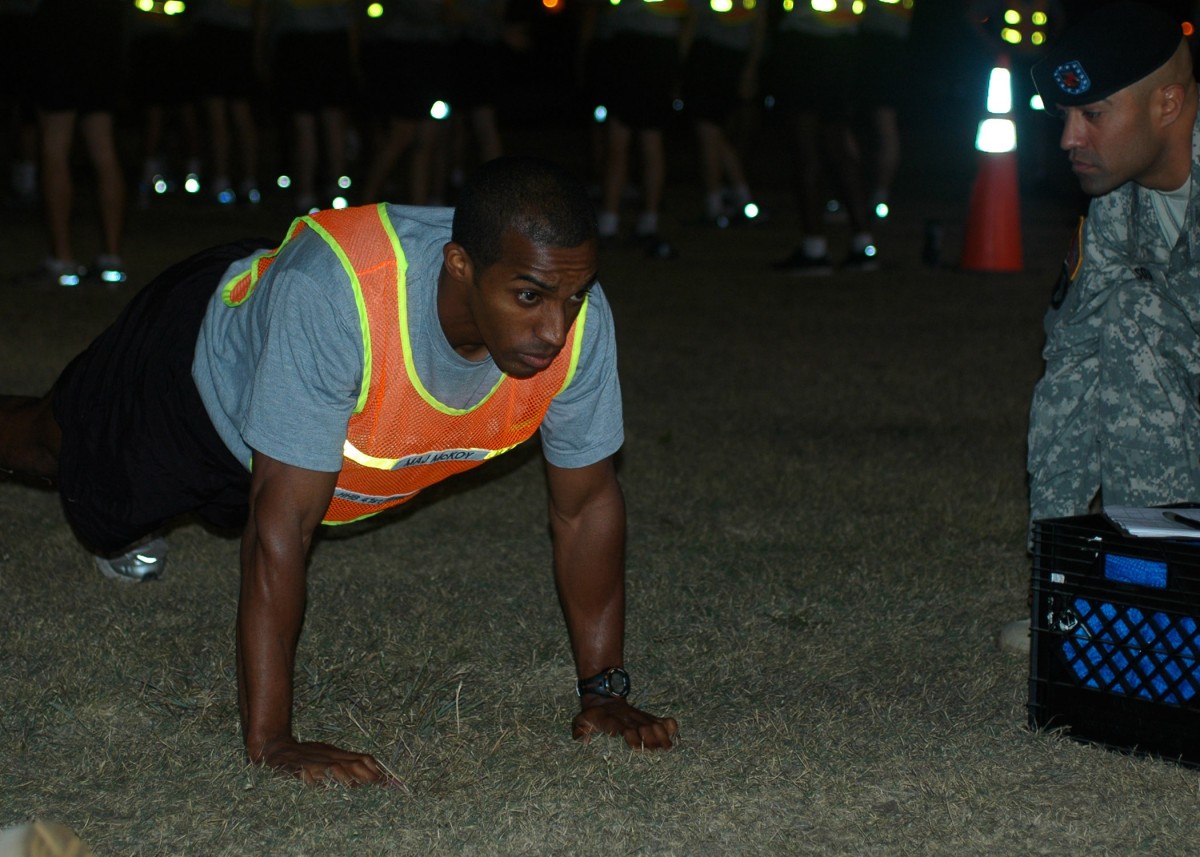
{"x": 611, "y": 681}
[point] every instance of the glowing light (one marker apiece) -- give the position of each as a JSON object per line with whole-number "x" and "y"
{"x": 858, "y": 7}
{"x": 1013, "y": 37}
{"x": 174, "y": 7}
{"x": 824, "y": 5}
{"x": 284, "y": 182}
{"x": 343, "y": 182}
{"x": 1188, "y": 29}
{"x": 789, "y": 5}
{"x": 226, "y": 197}
{"x": 192, "y": 183}
{"x": 1038, "y": 38}
{"x": 68, "y": 279}
{"x": 996, "y": 136}
{"x": 340, "y": 202}
{"x": 750, "y": 210}
{"x": 112, "y": 275}
{"x": 439, "y": 110}
{"x": 600, "y": 113}
{"x": 253, "y": 196}
{"x": 1036, "y": 103}
{"x": 1039, "y": 19}
{"x": 1012, "y": 17}
{"x": 160, "y": 185}
{"x": 375, "y": 10}
{"x": 869, "y": 251}
{"x": 551, "y": 4}
{"x": 882, "y": 210}
{"x": 721, "y": 5}
{"x": 144, "y": 5}
{"x": 999, "y": 96}
{"x": 749, "y": 5}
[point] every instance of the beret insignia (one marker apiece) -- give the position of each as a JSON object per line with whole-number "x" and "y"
{"x": 1072, "y": 79}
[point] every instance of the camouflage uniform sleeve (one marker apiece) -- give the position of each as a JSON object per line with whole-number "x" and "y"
{"x": 1063, "y": 460}
{"x": 1117, "y": 406}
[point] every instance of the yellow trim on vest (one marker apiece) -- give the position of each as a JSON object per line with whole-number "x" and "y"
{"x": 257, "y": 264}
{"x": 576, "y": 346}
{"x": 359, "y": 302}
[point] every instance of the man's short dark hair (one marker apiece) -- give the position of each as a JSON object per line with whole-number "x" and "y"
{"x": 537, "y": 198}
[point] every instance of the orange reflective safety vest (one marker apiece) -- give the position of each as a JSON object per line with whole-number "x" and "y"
{"x": 733, "y": 13}
{"x": 400, "y": 439}
{"x": 827, "y": 15}
{"x": 897, "y": 8}
{"x": 668, "y": 8}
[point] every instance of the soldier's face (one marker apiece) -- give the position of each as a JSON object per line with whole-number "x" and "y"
{"x": 1111, "y": 142}
{"x": 524, "y": 303}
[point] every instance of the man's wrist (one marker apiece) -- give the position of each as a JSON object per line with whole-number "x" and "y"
{"x": 609, "y": 683}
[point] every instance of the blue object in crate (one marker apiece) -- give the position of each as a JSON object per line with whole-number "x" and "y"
{"x": 1130, "y": 569}
{"x": 1122, "y": 650}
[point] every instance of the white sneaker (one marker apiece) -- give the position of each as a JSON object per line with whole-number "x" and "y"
{"x": 64, "y": 272}
{"x": 41, "y": 839}
{"x": 1014, "y": 636}
{"x": 141, "y": 562}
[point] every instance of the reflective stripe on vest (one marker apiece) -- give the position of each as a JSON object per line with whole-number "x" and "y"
{"x": 668, "y": 8}
{"x": 400, "y": 438}
{"x": 825, "y": 14}
{"x": 733, "y": 13}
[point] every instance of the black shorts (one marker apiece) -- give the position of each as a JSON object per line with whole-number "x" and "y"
{"x": 224, "y": 62}
{"x": 478, "y": 74}
{"x": 635, "y": 77}
{"x": 138, "y": 448}
{"x": 883, "y": 78}
{"x": 404, "y": 79}
{"x": 812, "y": 74}
{"x": 312, "y": 71}
{"x": 75, "y": 64}
{"x": 160, "y": 70}
{"x": 712, "y": 81}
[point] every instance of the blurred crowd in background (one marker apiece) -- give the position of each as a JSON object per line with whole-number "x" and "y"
{"x": 307, "y": 104}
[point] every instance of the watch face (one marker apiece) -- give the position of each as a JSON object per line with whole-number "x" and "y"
{"x": 618, "y": 682}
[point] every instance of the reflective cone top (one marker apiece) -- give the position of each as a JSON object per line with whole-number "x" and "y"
{"x": 993, "y": 240}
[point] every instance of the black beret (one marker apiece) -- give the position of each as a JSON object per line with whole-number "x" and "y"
{"x": 1113, "y": 47}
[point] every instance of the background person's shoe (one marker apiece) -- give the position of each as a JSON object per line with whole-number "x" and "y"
{"x": 141, "y": 562}
{"x": 110, "y": 268}
{"x": 800, "y": 264}
{"x": 63, "y": 271}
{"x": 41, "y": 839}
{"x": 862, "y": 260}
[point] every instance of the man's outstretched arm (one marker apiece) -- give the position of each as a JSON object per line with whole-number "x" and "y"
{"x": 587, "y": 520}
{"x": 286, "y": 506}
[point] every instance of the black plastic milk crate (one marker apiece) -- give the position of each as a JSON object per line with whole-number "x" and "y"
{"x": 1115, "y": 638}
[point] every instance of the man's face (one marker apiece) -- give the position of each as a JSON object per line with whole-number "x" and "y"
{"x": 524, "y": 303}
{"x": 1110, "y": 142}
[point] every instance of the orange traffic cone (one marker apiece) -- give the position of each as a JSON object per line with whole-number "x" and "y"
{"x": 993, "y": 241}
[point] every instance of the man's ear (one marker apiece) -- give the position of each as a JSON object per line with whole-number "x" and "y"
{"x": 457, "y": 263}
{"x": 1170, "y": 103}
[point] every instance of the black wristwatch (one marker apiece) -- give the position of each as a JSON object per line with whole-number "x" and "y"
{"x": 613, "y": 681}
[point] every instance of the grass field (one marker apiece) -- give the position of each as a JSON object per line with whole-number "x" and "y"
{"x": 826, "y": 497}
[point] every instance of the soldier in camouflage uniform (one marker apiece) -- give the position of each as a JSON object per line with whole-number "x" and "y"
{"x": 1116, "y": 415}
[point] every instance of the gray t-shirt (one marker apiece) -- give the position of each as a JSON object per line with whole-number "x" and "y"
{"x": 282, "y": 372}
